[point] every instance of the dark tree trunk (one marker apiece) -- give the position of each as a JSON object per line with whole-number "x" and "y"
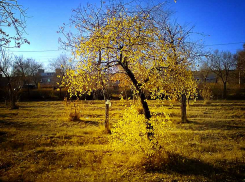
{"x": 94, "y": 95}
{"x": 183, "y": 109}
{"x": 142, "y": 98}
{"x": 28, "y": 91}
{"x": 126, "y": 95}
{"x": 224, "y": 91}
{"x": 104, "y": 92}
{"x": 12, "y": 100}
{"x": 144, "y": 105}
{"x": 60, "y": 93}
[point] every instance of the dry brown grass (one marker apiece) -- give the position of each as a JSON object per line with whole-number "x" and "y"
{"x": 39, "y": 143}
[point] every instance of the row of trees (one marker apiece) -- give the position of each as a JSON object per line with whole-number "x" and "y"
{"x": 12, "y": 20}
{"x": 222, "y": 64}
{"x": 17, "y": 72}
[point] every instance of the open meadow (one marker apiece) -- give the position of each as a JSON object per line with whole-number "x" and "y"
{"x": 39, "y": 143}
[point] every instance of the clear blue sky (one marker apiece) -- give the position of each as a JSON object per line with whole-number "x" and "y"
{"x": 221, "y": 20}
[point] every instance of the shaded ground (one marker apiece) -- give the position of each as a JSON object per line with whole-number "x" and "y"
{"x": 39, "y": 143}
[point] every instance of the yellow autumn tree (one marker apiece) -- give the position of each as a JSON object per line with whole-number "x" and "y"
{"x": 144, "y": 49}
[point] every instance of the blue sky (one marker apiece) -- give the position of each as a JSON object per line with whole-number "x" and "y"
{"x": 221, "y": 21}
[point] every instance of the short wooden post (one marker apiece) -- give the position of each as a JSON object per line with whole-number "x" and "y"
{"x": 183, "y": 109}
{"x": 107, "y": 124}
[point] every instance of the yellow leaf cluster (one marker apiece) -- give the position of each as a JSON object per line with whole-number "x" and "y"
{"x": 158, "y": 66}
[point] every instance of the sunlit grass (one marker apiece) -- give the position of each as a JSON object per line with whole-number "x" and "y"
{"x": 39, "y": 143}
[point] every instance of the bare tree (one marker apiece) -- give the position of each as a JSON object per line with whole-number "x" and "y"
{"x": 60, "y": 65}
{"x": 6, "y": 65}
{"x": 26, "y": 70}
{"x": 204, "y": 73}
{"x": 221, "y": 64}
{"x": 205, "y": 70}
{"x": 33, "y": 70}
{"x": 12, "y": 18}
{"x": 240, "y": 58}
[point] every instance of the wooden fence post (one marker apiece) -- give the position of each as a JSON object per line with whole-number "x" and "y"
{"x": 107, "y": 124}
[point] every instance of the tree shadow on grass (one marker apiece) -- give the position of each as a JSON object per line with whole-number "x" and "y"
{"x": 3, "y": 137}
{"x": 194, "y": 125}
{"x": 187, "y": 166}
{"x": 8, "y": 115}
{"x": 217, "y": 104}
{"x": 19, "y": 125}
{"x": 41, "y": 159}
{"x": 88, "y": 122}
{"x": 95, "y": 123}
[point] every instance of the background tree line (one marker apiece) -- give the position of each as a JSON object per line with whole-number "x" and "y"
{"x": 17, "y": 73}
{"x": 228, "y": 68}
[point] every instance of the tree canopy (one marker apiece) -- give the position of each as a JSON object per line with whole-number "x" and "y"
{"x": 150, "y": 52}
{"x": 153, "y": 55}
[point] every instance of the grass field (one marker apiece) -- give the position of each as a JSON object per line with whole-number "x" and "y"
{"x": 39, "y": 143}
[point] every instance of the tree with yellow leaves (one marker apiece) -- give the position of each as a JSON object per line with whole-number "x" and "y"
{"x": 149, "y": 56}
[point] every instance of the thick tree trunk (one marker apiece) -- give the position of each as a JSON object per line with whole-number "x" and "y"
{"x": 144, "y": 104}
{"x": 12, "y": 101}
{"x": 104, "y": 93}
{"x": 28, "y": 91}
{"x": 126, "y": 95}
{"x": 60, "y": 92}
{"x": 94, "y": 94}
{"x": 224, "y": 91}
{"x": 183, "y": 109}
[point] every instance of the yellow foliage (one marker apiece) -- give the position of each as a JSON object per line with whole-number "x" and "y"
{"x": 130, "y": 132}
{"x": 129, "y": 40}
{"x": 159, "y": 66}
